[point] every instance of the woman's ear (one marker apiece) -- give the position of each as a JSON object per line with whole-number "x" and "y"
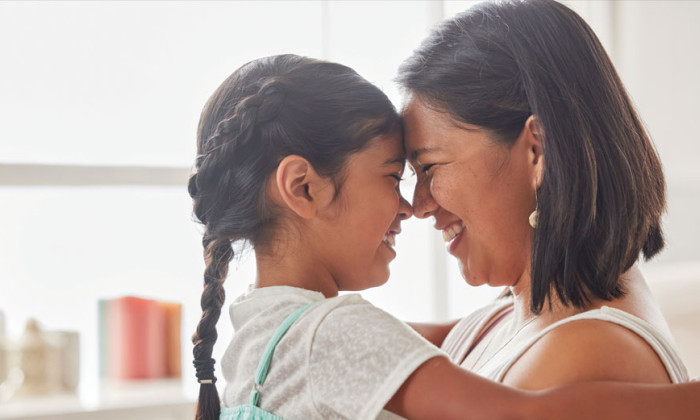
{"x": 535, "y": 142}
{"x": 298, "y": 186}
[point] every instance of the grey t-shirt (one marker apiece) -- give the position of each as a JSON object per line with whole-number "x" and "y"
{"x": 343, "y": 358}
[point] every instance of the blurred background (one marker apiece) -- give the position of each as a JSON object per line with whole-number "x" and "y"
{"x": 99, "y": 103}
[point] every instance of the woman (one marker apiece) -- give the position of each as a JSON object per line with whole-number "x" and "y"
{"x": 534, "y": 164}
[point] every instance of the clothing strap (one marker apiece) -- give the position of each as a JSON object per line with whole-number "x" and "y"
{"x": 264, "y": 365}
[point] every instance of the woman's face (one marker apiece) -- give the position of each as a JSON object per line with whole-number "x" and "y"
{"x": 479, "y": 192}
{"x": 366, "y": 217}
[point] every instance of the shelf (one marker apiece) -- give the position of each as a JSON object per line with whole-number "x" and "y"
{"x": 28, "y": 175}
{"x": 133, "y": 400}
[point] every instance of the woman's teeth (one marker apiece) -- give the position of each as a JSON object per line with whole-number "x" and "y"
{"x": 390, "y": 240}
{"x": 451, "y": 232}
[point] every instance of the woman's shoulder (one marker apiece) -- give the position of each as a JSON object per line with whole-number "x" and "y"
{"x": 484, "y": 315}
{"x": 593, "y": 347}
{"x": 480, "y": 318}
{"x": 467, "y": 330}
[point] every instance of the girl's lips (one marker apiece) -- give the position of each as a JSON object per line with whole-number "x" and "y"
{"x": 390, "y": 239}
{"x": 388, "y": 243}
{"x": 390, "y": 236}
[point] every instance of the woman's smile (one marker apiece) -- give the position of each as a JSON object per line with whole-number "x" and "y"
{"x": 452, "y": 234}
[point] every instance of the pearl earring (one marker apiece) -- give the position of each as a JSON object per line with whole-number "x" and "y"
{"x": 533, "y": 216}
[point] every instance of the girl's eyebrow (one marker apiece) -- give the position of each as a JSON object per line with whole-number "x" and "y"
{"x": 398, "y": 159}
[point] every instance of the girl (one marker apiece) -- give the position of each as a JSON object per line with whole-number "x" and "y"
{"x": 302, "y": 160}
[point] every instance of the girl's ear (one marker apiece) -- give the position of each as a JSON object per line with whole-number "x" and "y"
{"x": 299, "y": 187}
{"x": 535, "y": 140}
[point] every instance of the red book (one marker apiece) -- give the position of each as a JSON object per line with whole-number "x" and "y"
{"x": 136, "y": 339}
{"x": 173, "y": 318}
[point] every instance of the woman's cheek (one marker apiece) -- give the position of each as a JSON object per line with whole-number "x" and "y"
{"x": 439, "y": 189}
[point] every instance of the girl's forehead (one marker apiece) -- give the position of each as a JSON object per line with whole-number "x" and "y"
{"x": 383, "y": 150}
{"x": 389, "y": 143}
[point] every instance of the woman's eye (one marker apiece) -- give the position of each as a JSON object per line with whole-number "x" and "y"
{"x": 426, "y": 168}
{"x": 397, "y": 177}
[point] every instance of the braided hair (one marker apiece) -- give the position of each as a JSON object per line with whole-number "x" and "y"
{"x": 268, "y": 109}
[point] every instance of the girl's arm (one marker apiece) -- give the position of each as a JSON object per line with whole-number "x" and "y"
{"x": 435, "y": 333}
{"x": 616, "y": 400}
{"x": 440, "y": 389}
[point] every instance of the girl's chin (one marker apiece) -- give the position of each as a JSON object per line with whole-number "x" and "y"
{"x": 377, "y": 277}
{"x": 390, "y": 249}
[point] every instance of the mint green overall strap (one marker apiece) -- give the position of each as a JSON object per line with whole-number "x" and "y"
{"x": 264, "y": 365}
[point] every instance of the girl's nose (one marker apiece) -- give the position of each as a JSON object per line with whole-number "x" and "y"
{"x": 405, "y": 209}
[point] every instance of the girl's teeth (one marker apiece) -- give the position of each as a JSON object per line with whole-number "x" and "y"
{"x": 390, "y": 240}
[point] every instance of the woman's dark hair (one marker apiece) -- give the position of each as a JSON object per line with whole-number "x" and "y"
{"x": 603, "y": 192}
{"x": 268, "y": 109}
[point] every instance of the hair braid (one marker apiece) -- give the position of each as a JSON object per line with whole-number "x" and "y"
{"x": 215, "y": 168}
{"x": 217, "y": 254}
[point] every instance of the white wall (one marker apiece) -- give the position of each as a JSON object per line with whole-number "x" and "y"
{"x": 658, "y": 57}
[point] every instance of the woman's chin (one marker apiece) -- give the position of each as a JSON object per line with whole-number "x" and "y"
{"x": 473, "y": 282}
{"x": 468, "y": 276}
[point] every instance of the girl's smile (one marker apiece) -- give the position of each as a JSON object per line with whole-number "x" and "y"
{"x": 362, "y": 223}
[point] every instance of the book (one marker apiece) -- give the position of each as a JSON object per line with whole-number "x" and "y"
{"x": 139, "y": 338}
{"x": 173, "y": 319}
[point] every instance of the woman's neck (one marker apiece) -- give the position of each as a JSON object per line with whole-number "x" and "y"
{"x": 632, "y": 282}
{"x": 552, "y": 311}
{"x": 521, "y": 300}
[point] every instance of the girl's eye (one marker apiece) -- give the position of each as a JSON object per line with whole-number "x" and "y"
{"x": 397, "y": 177}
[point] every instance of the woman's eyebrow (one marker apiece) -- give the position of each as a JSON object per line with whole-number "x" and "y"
{"x": 413, "y": 156}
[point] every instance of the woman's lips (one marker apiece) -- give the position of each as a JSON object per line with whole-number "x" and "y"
{"x": 452, "y": 231}
{"x": 451, "y": 234}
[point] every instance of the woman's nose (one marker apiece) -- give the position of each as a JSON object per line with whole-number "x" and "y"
{"x": 424, "y": 204}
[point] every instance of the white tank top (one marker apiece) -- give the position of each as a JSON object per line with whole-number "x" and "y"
{"x": 462, "y": 337}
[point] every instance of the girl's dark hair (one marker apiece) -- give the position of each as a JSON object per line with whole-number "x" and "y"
{"x": 268, "y": 109}
{"x": 602, "y": 194}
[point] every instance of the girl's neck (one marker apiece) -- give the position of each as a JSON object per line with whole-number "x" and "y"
{"x": 296, "y": 269}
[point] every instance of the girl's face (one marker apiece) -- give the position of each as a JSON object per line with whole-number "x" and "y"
{"x": 479, "y": 192}
{"x": 366, "y": 216}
